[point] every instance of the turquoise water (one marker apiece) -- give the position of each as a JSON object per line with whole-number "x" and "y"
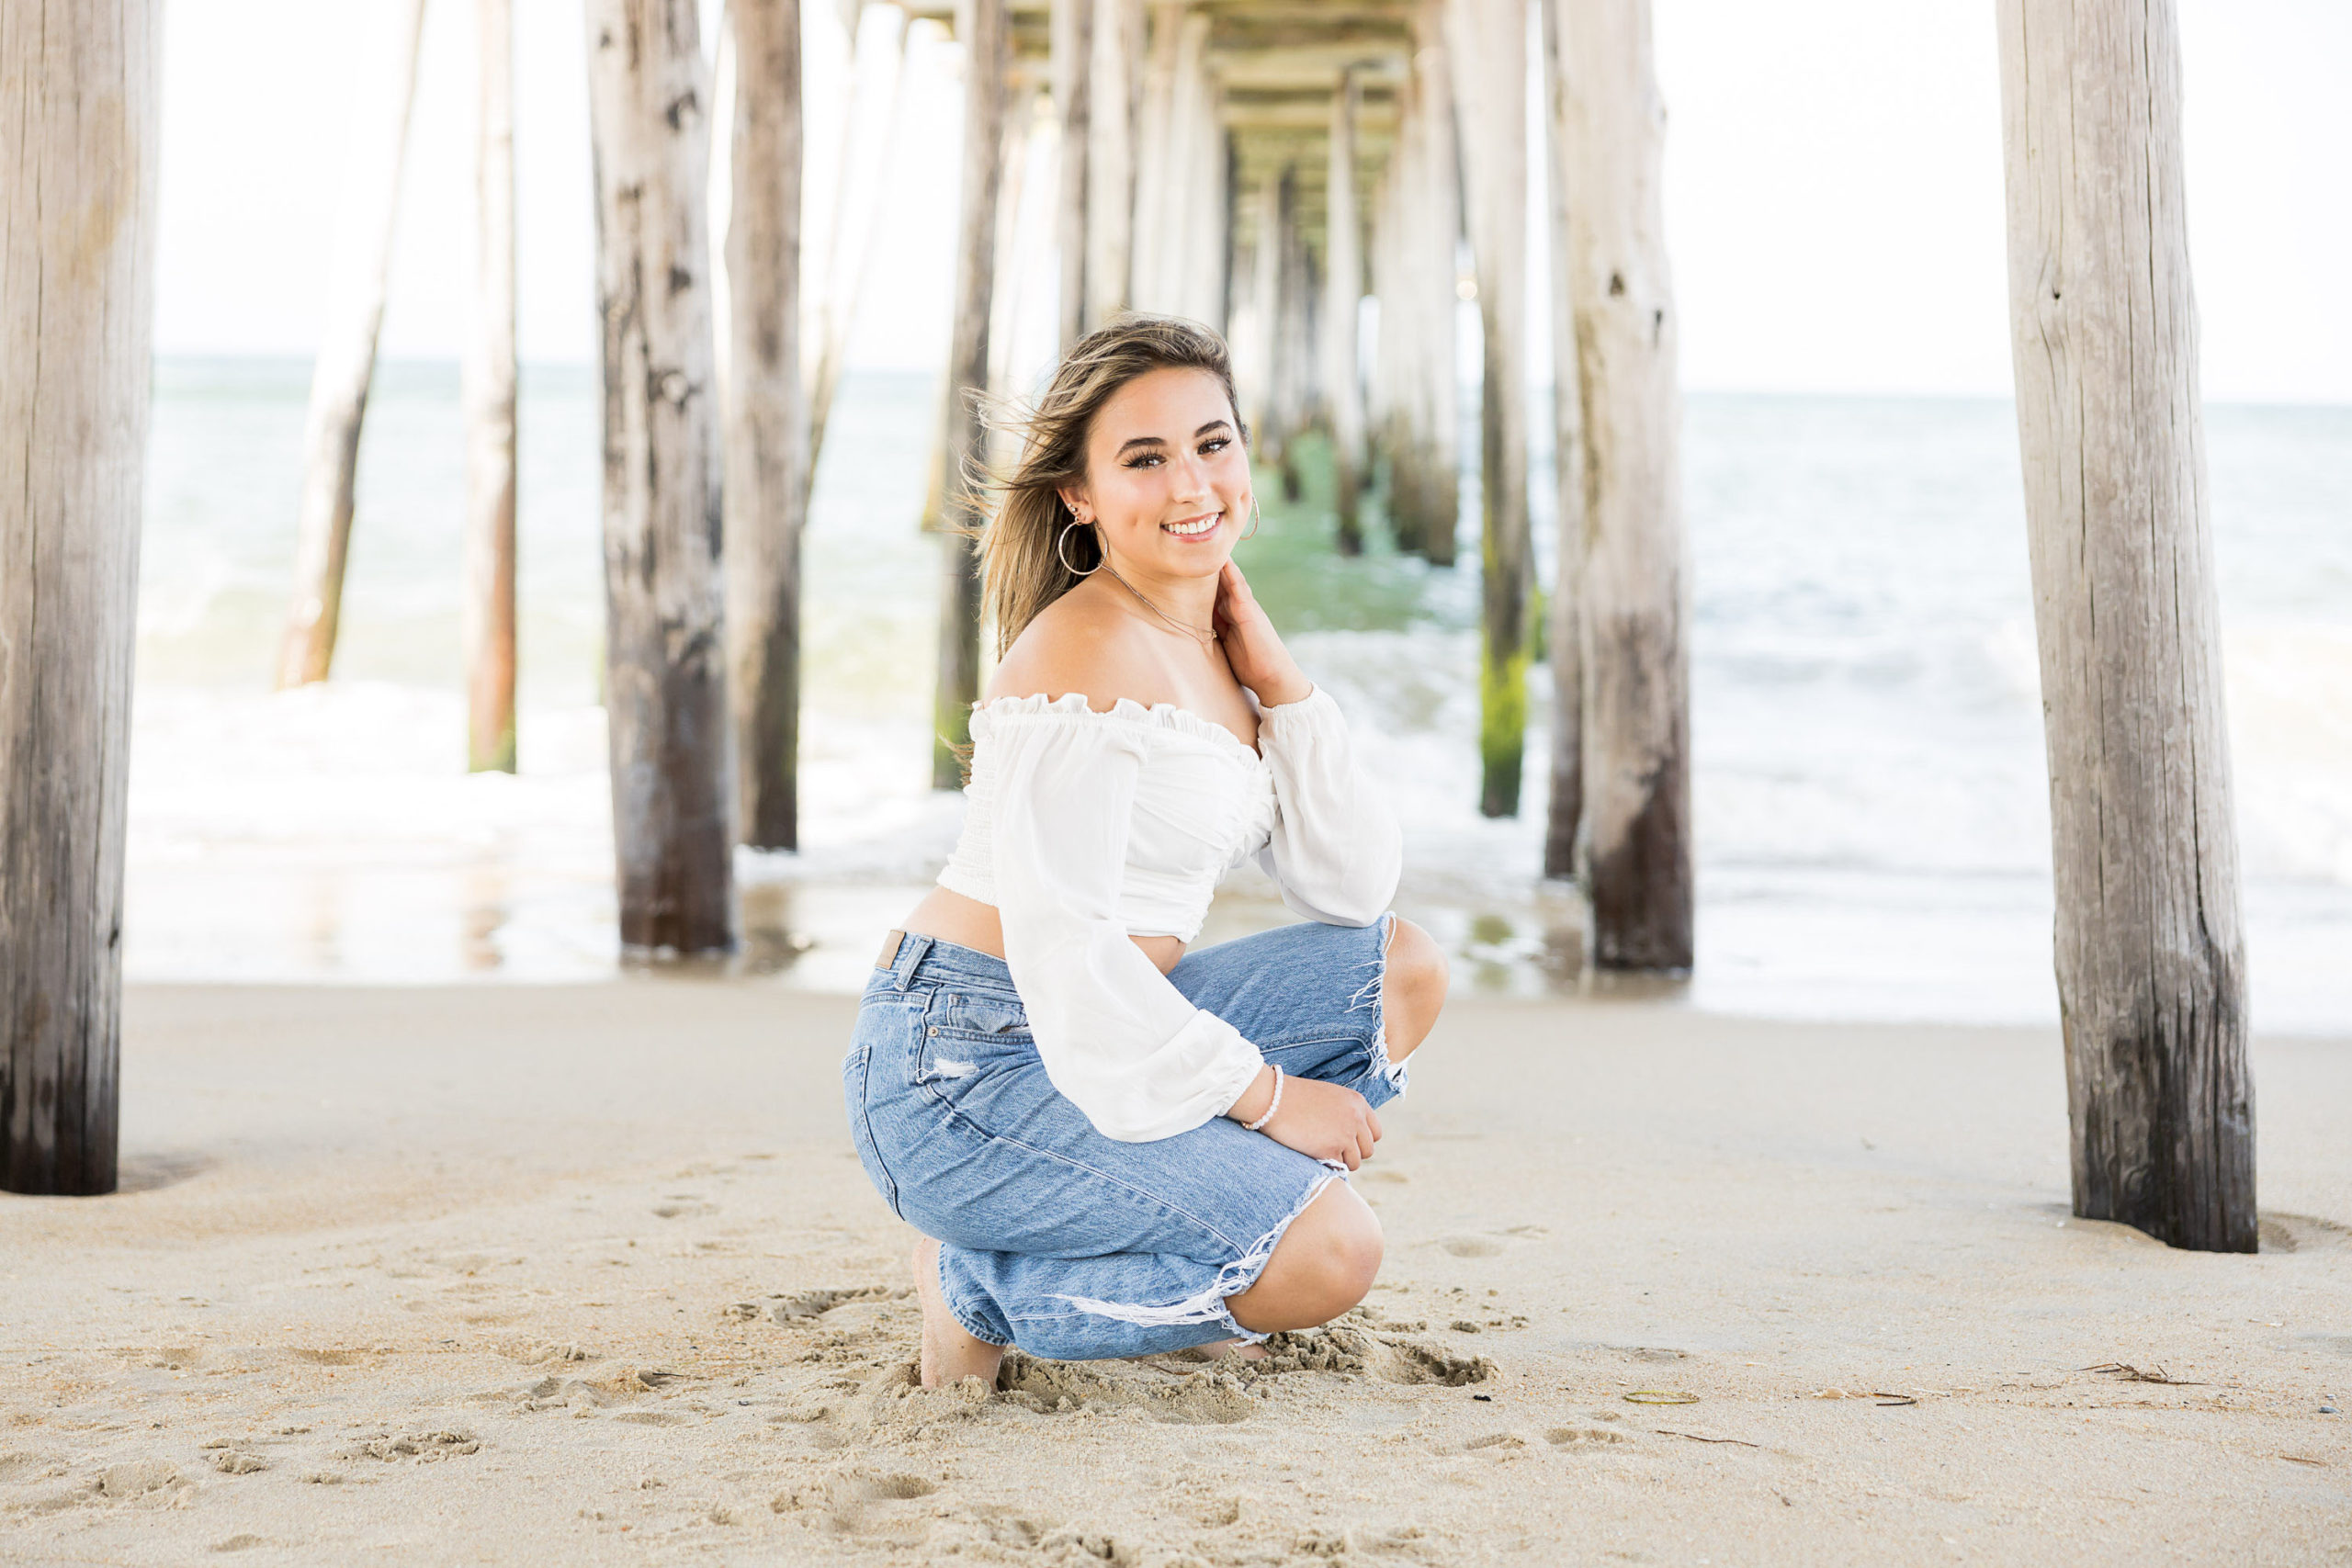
{"x": 1869, "y": 789}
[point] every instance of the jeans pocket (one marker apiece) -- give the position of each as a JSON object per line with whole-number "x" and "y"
{"x": 857, "y": 1090}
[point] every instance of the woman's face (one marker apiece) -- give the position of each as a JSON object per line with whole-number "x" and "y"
{"x": 1167, "y": 477}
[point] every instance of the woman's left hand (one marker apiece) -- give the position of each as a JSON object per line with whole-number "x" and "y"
{"x": 1252, "y": 651}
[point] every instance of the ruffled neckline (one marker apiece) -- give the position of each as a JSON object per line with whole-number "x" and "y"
{"x": 1163, "y": 715}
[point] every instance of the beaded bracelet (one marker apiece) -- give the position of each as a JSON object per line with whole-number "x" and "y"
{"x": 1272, "y": 1106}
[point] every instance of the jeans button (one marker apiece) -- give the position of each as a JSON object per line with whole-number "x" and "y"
{"x": 935, "y": 1029}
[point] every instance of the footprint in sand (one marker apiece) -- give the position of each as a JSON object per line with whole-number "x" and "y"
{"x": 1582, "y": 1437}
{"x": 1488, "y": 1243}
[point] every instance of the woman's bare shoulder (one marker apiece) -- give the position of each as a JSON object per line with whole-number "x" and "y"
{"x": 1075, "y": 645}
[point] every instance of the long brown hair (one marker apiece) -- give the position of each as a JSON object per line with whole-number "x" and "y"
{"x": 1019, "y": 530}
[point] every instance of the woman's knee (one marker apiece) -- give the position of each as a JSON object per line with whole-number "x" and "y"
{"x": 1324, "y": 1264}
{"x": 1413, "y": 986}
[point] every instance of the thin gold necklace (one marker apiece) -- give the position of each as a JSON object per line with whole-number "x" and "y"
{"x": 1204, "y": 638}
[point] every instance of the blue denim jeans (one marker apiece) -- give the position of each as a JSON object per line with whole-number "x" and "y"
{"x": 1053, "y": 1237}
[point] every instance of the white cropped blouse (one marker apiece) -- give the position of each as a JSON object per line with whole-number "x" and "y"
{"x": 1084, "y": 828}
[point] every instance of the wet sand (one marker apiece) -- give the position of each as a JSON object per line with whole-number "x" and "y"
{"x": 590, "y": 1274}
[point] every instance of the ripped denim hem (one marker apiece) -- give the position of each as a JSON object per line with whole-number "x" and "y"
{"x": 1396, "y": 1074}
{"x": 1208, "y": 1306}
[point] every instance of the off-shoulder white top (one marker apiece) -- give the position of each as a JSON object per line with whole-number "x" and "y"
{"x": 1083, "y": 828}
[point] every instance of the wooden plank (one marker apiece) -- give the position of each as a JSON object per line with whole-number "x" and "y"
{"x": 982, "y": 25}
{"x": 1489, "y": 58}
{"x": 2150, "y": 953}
{"x": 665, "y": 682}
{"x": 487, "y": 391}
{"x": 1637, "y": 678}
{"x": 78, "y": 138}
{"x": 347, "y": 357}
{"x": 767, "y": 431}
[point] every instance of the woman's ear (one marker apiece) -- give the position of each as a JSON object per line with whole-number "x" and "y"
{"x": 1074, "y": 497}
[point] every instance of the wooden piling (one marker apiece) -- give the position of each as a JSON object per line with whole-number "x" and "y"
{"x": 1342, "y": 289}
{"x": 1490, "y": 85}
{"x": 487, "y": 391}
{"x": 665, "y": 685}
{"x": 1293, "y": 396}
{"x": 984, "y": 26}
{"x": 1112, "y": 104}
{"x": 347, "y": 357}
{"x": 1073, "y": 73}
{"x": 767, "y": 423}
{"x": 78, "y": 122}
{"x": 1431, "y": 453}
{"x": 1563, "y": 637}
{"x": 2150, "y": 953}
{"x": 1636, "y": 599}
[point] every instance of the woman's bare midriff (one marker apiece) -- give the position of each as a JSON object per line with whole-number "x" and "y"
{"x": 951, "y": 917}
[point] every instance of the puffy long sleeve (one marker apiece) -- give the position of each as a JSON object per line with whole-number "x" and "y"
{"x": 1116, "y": 1038}
{"x": 1337, "y": 849}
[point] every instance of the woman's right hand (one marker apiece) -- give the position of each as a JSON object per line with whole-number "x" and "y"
{"x": 1324, "y": 1120}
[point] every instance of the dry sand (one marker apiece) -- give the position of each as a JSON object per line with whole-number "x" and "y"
{"x": 591, "y": 1275}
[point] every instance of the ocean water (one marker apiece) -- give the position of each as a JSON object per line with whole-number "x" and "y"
{"x": 1869, "y": 796}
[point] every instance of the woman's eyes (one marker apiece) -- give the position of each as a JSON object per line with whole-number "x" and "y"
{"x": 1209, "y": 448}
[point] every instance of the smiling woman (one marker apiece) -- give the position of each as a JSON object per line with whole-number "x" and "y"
{"x": 1066, "y": 1102}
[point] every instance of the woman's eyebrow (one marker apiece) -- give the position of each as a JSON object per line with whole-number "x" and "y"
{"x": 1156, "y": 441}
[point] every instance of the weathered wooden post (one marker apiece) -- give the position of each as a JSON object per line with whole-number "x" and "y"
{"x": 1638, "y": 671}
{"x": 1490, "y": 85}
{"x": 1254, "y": 320}
{"x": 1112, "y": 104}
{"x": 1073, "y": 72}
{"x": 1564, "y": 639}
{"x": 78, "y": 116}
{"x": 767, "y": 434}
{"x": 665, "y": 682}
{"x": 487, "y": 391}
{"x": 1418, "y": 300}
{"x": 346, "y": 359}
{"x": 1293, "y": 332}
{"x": 1156, "y": 273}
{"x": 2150, "y": 957}
{"x": 1342, "y": 289}
{"x": 986, "y": 28}
{"x": 1204, "y": 234}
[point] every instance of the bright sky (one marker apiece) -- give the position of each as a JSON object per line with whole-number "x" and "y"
{"x": 1834, "y": 190}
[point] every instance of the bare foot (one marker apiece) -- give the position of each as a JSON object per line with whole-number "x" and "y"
{"x": 950, "y": 1352}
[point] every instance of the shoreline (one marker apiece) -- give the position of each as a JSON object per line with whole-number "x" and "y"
{"x": 589, "y": 1272}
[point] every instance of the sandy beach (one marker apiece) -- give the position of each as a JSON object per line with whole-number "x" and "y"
{"x": 590, "y": 1274}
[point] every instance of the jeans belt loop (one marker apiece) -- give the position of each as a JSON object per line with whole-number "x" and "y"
{"x": 910, "y": 951}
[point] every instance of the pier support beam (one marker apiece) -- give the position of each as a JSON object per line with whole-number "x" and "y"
{"x": 767, "y": 423}
{"x": 2150, "y": 953}
{"x": 488, "y": 394}
{"x": 1073, "y": 73}
{"x": 1490, "y": 83}
{"x": 1636, "y": 597}
{"x": 665, "y": 684}
{"x": 78, "y": 136}
{"x": 1342, "y": 289}
{"x": 347, "y": 357}
{"x": 1112, "y": 105}
{"x": 1563, "y": 637}
{"x": 985, "y": 27}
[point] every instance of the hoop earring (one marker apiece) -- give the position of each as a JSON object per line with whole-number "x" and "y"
{"x": 1253, "y": 520}
{"x": 1062, "y": 537}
